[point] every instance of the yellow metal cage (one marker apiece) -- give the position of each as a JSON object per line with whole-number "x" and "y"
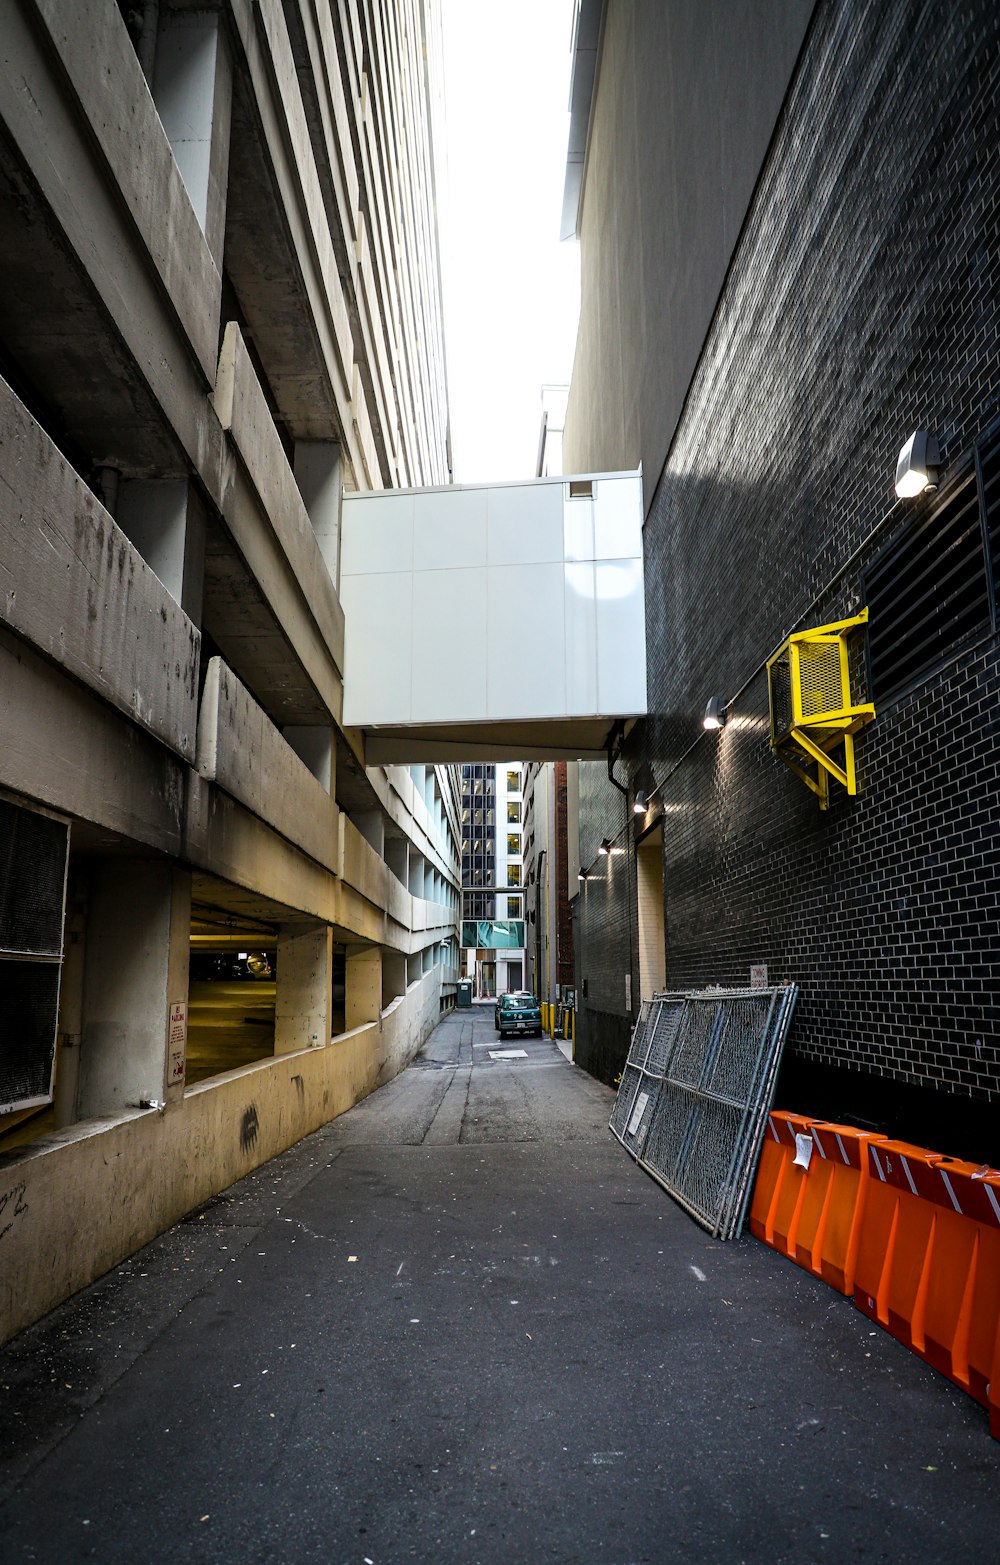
{"x": 812, "y": 711}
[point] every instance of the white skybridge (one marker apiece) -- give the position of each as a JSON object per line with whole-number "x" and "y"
{"x": 485, "y": 621}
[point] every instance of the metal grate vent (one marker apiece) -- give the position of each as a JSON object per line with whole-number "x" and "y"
{"x": 781, "y": 696}
{"x": 819, "y": 676}
{"x": 927, "y": 592}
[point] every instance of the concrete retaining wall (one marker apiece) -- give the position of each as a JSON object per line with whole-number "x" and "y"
{"x": 74, "y": 1204}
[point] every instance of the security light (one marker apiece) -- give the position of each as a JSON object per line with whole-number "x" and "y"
{"x": 715, "y": 712}
{"x": 918, "y": 465}
{"x": 582, "y": 875}
{"x": 641, "y": 804}
{"x": 605, "y": 847}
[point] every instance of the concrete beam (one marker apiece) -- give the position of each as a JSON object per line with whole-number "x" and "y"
{"x": 104, "y": 91}
{"x": 279, "y": 251}
{"x": 243, "y": 411}
{"x": 73, "y": 585}
{"x": 109, "y": 772}
{"x": 241, "y": 750}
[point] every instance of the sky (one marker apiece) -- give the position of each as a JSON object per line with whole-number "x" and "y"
{"x": 511, "y": 288}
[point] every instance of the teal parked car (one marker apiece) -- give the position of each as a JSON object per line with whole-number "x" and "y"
{"x": 518, "y": 1012}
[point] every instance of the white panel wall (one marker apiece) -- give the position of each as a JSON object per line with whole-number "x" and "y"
{"x": 466, "y": 605}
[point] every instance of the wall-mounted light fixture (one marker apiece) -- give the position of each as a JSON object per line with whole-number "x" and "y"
{"x": 715, "y": 713}
{"x": 605, "y": 847}
{"x": 582, "y": 875}
{"x": 641, "y": 804}
{"x": 918, "y": 466}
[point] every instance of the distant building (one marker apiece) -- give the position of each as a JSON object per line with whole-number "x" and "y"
{"x": 492, "y": 903}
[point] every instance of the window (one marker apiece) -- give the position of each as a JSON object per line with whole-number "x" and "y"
{"x": 513, "y": 813}
{"x": 34, "y": 851}
{"x": 513, "y": 874}
{"x": 513, "y": 782}
{"x": 514, "y": 844}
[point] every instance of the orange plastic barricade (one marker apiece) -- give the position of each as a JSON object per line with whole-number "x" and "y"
{"x": 776, "y": 1154}
{"x": 963, "y": 1297}
{"x": 897, "y": 1235}
{"x": 814, "y": 1204}
{"x": 786, "y": 1206}
{"x": 833, "y": 1208}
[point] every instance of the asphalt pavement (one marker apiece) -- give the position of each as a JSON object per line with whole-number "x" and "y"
{"x": 458, "y": 1324}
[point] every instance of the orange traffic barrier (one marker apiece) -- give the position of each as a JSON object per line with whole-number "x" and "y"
{"x": 893, "y": 1265}
{"x": 914, "y": 1236}
{"x": 783, "y": 1219}
{"x": 833, "y": 1208}
{"x": 775, "y": 1154}
{"x": 814, "y": 1204}
{"x": 963, "y": 1297}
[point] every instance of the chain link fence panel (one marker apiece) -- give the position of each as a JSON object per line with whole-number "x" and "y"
{"x": 695, "y": 1093}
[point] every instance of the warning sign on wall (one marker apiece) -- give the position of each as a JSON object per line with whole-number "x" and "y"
{"x": 176, "y": 1041}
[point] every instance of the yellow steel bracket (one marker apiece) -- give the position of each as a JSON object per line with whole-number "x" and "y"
{"x": 812, "y": 708}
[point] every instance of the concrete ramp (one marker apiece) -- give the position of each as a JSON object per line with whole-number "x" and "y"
{"x": 494, "y": 620}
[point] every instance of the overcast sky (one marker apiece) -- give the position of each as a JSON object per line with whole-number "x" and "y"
{"x": 511, "y": 288}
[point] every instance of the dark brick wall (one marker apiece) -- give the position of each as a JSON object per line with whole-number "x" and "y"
{"x": 862, "y": 302}
{"x": 564, "y": 925}
{"x": 606, "y": 940}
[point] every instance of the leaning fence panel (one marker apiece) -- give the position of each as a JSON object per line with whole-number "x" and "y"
{"x": 694, "y": 1095}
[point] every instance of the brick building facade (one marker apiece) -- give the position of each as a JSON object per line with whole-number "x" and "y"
{"x": 860, "y": 302}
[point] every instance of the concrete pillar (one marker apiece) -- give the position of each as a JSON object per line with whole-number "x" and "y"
{"x": 413, "y": 968}
{"x": 318, "y": 473}
{"x": 70, "y": 1028}
{"x": 393, "y": 976}
{"x": 397, "y": 851}
{"x": 364, "y": 986}
{"x": 416, "y": 879}
{"x": 192, "y": 88}
{"x": 135, "y": 975}
{"x": 302, "y": 1001}
{"x": 164, "y": 519}
{"x": 317, "y": 748}
{"x": 371, "y": 825}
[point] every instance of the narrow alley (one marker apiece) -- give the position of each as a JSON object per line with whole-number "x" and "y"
{"x": 458, "y": 1324}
